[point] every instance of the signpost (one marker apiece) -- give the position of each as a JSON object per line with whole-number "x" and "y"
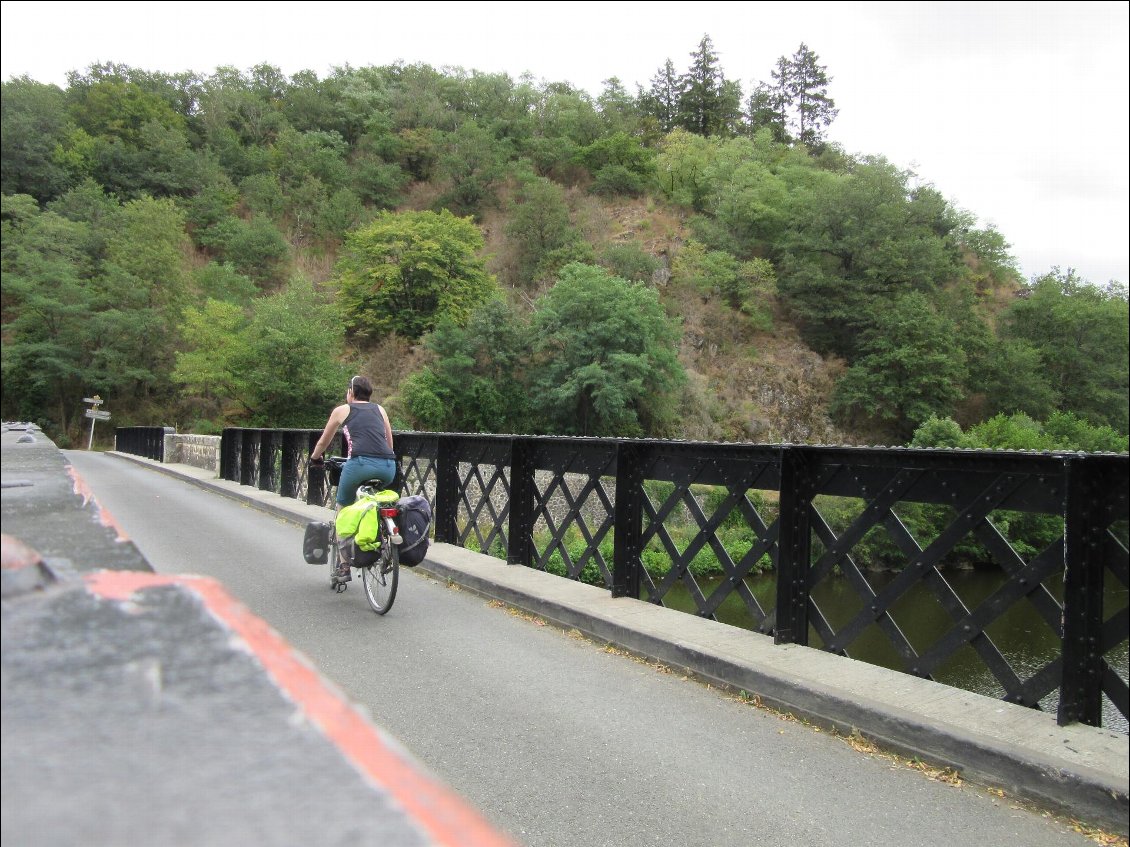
{"x": 95, "y": 415}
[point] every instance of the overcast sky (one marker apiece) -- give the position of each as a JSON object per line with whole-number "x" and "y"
{"x": 1015, "y": 111}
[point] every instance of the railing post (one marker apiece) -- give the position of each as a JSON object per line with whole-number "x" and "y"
{"x": 1080, "y": 694}
{"x": 291, "y": 459}
{"x": 794, "y": 547}
{"x": 315, "y": 477}
{"x": 231, "y": 442}
{"x": 520, "y": 529}
{"x": 267, "y": 442}
{"x": 447, "y": 490}
{"x": 248, "y": 456}
{"x": 628, "y": 520}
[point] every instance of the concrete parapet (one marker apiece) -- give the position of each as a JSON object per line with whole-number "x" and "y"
{"x": 165, "y": 712}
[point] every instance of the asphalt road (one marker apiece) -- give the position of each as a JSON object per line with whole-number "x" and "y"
{"x": 555, "y": 740}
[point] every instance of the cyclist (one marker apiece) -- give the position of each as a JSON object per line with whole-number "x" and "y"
{"x": 368, "y": 443}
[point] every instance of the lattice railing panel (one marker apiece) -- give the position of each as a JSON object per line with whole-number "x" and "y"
{"x": 573, "y": 513}
{"x": 968, "y": 621}
{"x": 682, "y": 506}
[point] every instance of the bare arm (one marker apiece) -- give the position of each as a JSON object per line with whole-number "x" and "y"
{"x": 337, "y": 418}
{"x": 388, "y": 426}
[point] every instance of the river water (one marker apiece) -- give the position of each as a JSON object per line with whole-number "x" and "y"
{"x": 1026, "y": 641}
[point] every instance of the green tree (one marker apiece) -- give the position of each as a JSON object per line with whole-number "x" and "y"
{"x": 88, "y": 310}
{"x": 617, "y": 108}
{"x": 471, "y": 161}
{"x": 567, "y": 113}
{"x": 989, "y": 255}
{"x": 606, "y": 357}
{"x": 630, "y": 261}
{"x": 278, "y": 366}
{"x": 681, "y": 166}
{"x": 213, "y": 333}
{"x": 745, "y": 198}
{"x": 149, "y": 245}
{"x": 223, "y": 282}
{"x": 298, "y": 156}
{"x": 290, "y": 359}
{"x": 1061, "y": 431}
{"x": 540, "y": 229}
{"x": 705, "y": 102}
{"x": 853, "y": 243}
{"x": 765, "y": 110}
{"x": 802, "y": 85}
{"x": 478, "y": 381}
{"x": 35, "y": 122}
{"x": 210, "y": 214}
{"x": 661, "y": 100}
{"x": 908, "y": 370}
{"x": 48, "y": 300}
{"x": 1080, "y": 334}
{"x": 747, "y": 287}
{"x": 115, "y": 108}
{"x": 258, "y": 250}
{"x": 619, "y": 164}
{"x": 1012, "y": 378}
{"x": 1068, "y": 432}
{"x": 376, "y": 177}
{"x": 262, "y": 193}
{"x": 403, "y": 272}
{"x": 87, "y": 203}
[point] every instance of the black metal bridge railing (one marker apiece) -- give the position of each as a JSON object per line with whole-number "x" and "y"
{"x": 147, "y": 441}
{"x": 640, "y": 516}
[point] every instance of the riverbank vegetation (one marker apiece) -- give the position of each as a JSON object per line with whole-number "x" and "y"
{"x": 688, "y": 260}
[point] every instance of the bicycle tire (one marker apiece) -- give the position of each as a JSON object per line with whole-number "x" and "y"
{"x": 334, "y": 559}
{"x": 381, "y": 579}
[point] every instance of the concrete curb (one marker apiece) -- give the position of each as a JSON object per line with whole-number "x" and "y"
{"x": 1076, "y": 770}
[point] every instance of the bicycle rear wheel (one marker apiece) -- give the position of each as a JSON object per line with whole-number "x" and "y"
{"x": 380, "y": 579}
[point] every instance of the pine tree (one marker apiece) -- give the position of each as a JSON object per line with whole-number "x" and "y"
{"x": 765, "y": 109}
{"x": 802, "y": 86}
{"x": 661, "y": 101}
{"x": 701, "y": 88}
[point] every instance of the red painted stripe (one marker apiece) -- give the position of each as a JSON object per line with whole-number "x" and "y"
{"x": 434, "y": 808}
{"x": 104, "y": 517}
{"x": 15, "y": 555}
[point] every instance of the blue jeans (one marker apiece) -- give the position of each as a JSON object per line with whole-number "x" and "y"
{"x": 361, "y": 469}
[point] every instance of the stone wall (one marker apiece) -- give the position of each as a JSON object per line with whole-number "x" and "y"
{"x": 200, "y": 451}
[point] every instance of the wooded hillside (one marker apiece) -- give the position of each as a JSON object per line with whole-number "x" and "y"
{"x": 688, "y": 260}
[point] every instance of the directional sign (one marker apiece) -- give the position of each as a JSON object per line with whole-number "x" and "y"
{"x": 96, "y": 400}
{"x": 98, "y": 416}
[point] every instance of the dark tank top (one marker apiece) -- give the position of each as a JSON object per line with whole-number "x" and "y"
{"x": 364, "y": 432}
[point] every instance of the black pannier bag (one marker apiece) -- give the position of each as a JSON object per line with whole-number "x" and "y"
{"x": 348, "y": 552}
{"x": 316, "y": 543}
{"x": 415, "y": 524}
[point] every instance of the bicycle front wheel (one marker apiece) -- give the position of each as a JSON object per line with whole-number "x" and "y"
{"x": 381, "y": 578}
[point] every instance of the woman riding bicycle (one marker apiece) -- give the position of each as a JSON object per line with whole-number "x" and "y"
{"x": 368, "y": 442}
{"x": 370, "y": 456}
